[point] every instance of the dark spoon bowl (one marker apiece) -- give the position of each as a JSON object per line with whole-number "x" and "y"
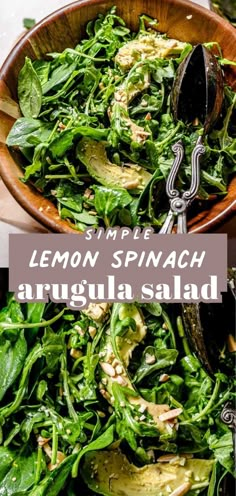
{"x": 198, "y": 90}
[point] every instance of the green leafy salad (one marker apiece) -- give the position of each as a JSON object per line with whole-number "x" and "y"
{"x": 97, "y": 129}
{"x": 110, "y": 401}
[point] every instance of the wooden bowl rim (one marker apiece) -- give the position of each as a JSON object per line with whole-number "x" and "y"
{"x": 79, "y": 4}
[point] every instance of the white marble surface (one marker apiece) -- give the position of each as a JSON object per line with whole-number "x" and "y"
{"x": 12, "y": 13}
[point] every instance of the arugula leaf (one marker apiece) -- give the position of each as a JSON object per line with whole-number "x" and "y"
{"x": 154, "y": 309}
{"x": 53, "y": 344}
{"x": 163, "y": 359}
{"x": 67, "y": 195}
{"x": 98, "y": 444}
{"x": 58, "y": 76}
{"x": 35, "y": 313}
{"x": 83, "y": 217}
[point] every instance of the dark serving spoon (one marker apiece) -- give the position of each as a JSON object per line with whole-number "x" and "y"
{"x": 207, "y": 327}
{"x": 196, "y": 96}
{"x": 197, "y": 92}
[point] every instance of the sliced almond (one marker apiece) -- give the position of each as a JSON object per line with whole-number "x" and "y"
{"x": 92, "y": 331}
{"x": 150, "y": 359}
{"x": 79, "y": 329}
{"x": 171, "y": 414}
{"x": 60, "y": 458}
{"x": 48, "y": 450}
{"x": 119, "y": 369}
{"x": 97, "y": 311}
{"x": 181, "y": 490}
{"x": 108, "y": 369}
{"x": 105, "y": 394}
{"x": 164, "y": 378}
{"x": 166, "y": 458}
{"x": 42, "y": 440}
{"x": 76, "y": 353}
{"x": 101, "y": 414}
{"x": 115, "y": 362}
{"x": 121, "y": 380}
{"x": 142, "y": 408}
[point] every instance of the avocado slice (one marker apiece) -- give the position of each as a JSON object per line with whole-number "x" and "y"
{"x": 115, "y": 357}
{"x": 93, "y": 155}
{"x": 147, "y": 46}
{"x": 111, "y": 474}
{"x": 125, "y": 93}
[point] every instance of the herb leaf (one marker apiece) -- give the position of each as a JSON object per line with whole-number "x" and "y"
{"x": 107, "y": 201}
{"x": 12, "y": 358}
{"x": 29, "y": 90}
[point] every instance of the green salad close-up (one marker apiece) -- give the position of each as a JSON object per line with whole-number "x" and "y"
{"x": 110, "y": 400}
{"x": 97, "y": 127}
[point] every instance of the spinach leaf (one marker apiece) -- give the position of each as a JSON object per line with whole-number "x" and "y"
{"x": 24, "y": 128}
{"x": 42, "y": 68}
{"x": 12, "y": 358}
{"x": 12, "y": 313}
{"x": 6, "y": 459}
{"x": 161, "y": 69}
{"x": 29, "y": 90}
{"x": 107, "y": 201}
{"x": 52, "y": 484}
{"x": 222, "y": 448}
{"x": 21, "y": 475}
{"x": 65, "y": 140}
{"x": 37, "y": 163}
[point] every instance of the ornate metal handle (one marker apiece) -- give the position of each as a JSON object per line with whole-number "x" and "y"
{"x": 228, "y": 416}
{"x": 179, "y": 203}
{"x": 198, "y": 150}
{"x": 179, "y": 155}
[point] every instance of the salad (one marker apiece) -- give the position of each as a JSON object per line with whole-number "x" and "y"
{"x": 110, "y": 400}
{"x": 97, "y": 129}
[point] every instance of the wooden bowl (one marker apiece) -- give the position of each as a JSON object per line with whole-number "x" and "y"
{"x": 180, "y": 19}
